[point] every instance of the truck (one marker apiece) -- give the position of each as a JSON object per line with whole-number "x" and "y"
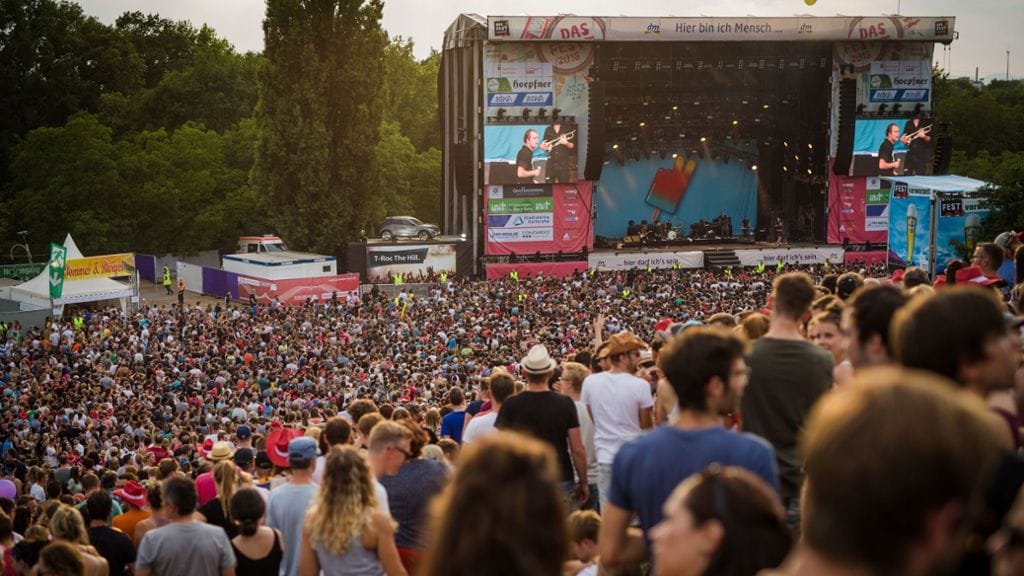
{"x": 268, "y": 257}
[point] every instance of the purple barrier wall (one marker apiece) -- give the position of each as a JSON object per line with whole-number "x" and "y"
{"x": 217, "y": 282}
{"x": 146, "y": 265}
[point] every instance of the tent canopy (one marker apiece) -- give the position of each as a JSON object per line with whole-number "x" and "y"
{"x": 947, "y": 183}
{"x": 37, "y": 290}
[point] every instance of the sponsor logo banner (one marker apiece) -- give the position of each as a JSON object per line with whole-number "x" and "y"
{"x": 414, "y": 263}
{"x": 295, "y": 291}
{"x": 724, "y": 29}
{"x": 519, "y": 220}
{"x": 900, "y": 81}
{"x": 612, "y": 261}
{"x": 521, "y": 234}
{"x": 109, "y": 266}
{"x": 834, "y": 255}
{"x": 519, "y": 206}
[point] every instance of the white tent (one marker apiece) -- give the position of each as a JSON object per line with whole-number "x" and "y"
{"x": 36, "y": 292}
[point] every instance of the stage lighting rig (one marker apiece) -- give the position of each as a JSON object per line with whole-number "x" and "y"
{"x": 882, "y": 108}
{"x": 542, "y": 114}
{"x": 526, "y": 114}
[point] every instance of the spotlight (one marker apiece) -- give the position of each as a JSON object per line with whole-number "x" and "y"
{"x": 542, "y": 114}
{"x": 918, "y": 108}
{"x": 785, "y": 143}
{"x": 675, "y": 155}
{"x": 526, "y": 113}
{"x": 753, "y": 167}
{"x": 556, "y": 114}
{"x": 501, "y": 114}
{"x": 703, "y": 139}
{"x": 735, "y": 122}
{"x": 642, "y": 124}
{"x": 861, "y": 108}
{"x": 810, "y": 146}
{"x": 896, "y": 107}
{"x": 881, "y": 108}
{"x": 617, "y": 154}
{"x": 809, "y": 172}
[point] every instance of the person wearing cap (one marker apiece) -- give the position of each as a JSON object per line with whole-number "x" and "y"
{"x": 286, "y": 509}
{"x": 206, "y": 486}
{"x": 706, "y": 369}
{"x": 549, "y": 416}
{"x": 1009, "y": 242}
{"x": 243, "y": 437}
{"x": 787, "y": 376}
{"x": 133, "y": 496}
{"x": 619, "y": 403}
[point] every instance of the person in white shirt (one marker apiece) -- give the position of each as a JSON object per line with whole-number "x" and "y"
{"x": 501, "y": 387}
{"x": 619, "y": 403}
{"x": 570, "y": 383}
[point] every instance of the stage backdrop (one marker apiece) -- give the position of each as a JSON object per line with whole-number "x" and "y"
{"x": 679, "y": 190}
{"x": 545, "y": 218}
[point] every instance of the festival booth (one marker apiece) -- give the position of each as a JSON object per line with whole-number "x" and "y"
{"x": 85, "y": 280}
{"x": 934, "y": 219}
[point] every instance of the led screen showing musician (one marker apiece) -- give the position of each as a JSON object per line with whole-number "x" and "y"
{"x": 531, "y": 153}
{"x": 893, "y": 147}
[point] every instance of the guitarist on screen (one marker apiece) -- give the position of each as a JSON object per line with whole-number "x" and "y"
{"x": 918, "y": 139}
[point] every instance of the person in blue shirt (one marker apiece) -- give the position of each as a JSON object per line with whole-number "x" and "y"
{"x": 452, "y": 423}
{"x": 707, "y": 371}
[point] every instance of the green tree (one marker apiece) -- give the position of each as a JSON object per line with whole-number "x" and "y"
{"x": 56, "y": 61}
{"x": 67, "y": 180}
{"x": 163, "y": 45}
{"x": 320, "y": 114}
{"x": 410, "y": 93}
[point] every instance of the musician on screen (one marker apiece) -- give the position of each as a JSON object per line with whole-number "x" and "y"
{"x": 887, "y": 166}
{"x": 525, "y": 172}
{"x": 557, "y": 143}
{"x": 917, "y": 137}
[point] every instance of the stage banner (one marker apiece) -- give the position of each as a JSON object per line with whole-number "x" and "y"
{"x": 539, "y": 218}
{"x": 537, "y": 108}
{"x": 534, "y": 269}
{"x": 628, "y": 260}
{"x": 109, "y": 266}
{"x": 671, "y": 29}
{"x": 295, "y": 291}
{"x": 900, "y": 81}
{"x": 416, "y": 262}
{"x": 910, "y": 230}
{"x": 958, "y": 230}
{"x": 771, "y": 256}
{"x": 858, "y": 210}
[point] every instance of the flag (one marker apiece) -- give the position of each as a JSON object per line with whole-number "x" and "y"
{"x": 58, "y": 261}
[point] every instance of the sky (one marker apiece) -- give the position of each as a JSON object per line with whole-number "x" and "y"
{"x": 987, "y": 28}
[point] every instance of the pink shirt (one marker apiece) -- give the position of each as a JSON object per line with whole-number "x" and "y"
{"x": 206, "y": 487}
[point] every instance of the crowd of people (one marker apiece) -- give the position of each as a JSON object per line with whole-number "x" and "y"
{"x": 810, "y": 420}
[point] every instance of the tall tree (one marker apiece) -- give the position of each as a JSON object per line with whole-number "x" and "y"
{"x": 320, "y": 114}
{"x": 410, "y": 93}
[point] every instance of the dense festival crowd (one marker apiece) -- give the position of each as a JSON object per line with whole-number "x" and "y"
{"x": 805, "y": 419}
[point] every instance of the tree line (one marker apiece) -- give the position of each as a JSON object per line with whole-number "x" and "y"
{"x": 156, "y": 136}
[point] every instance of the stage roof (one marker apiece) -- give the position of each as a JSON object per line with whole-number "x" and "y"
{"x": 571, "y": 28}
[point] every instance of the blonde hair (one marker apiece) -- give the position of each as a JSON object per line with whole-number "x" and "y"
{"x": 345, "y": 502}
{"x": 225, "y": 475}
{"x": 67, "y": 524}
{"x": 575, "y": 373}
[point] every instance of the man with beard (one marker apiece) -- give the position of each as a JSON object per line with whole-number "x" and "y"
{"x": 708, "y": 373}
